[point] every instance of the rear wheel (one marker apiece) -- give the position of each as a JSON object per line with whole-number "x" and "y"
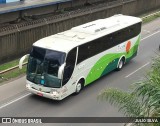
{"x": 120, "y": 65}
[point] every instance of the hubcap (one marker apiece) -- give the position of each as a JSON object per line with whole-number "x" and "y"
{"x": 120, "y": 64}
{"x": 78, "y": 88}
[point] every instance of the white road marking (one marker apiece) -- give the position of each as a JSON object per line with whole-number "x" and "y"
{"x": 137, "y": 70}
{"x": 14, "y": 100}
{"x": 146, "y": 63}
{"x": 146, "y": 31}
{"x": 150, "y": 35}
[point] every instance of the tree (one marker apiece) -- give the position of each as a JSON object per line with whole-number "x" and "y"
{"x": 143, "y": 100}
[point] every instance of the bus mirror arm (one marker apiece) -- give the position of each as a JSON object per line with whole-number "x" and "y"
{"x": 60, "y": 71}
{"x": 22, "y": 60}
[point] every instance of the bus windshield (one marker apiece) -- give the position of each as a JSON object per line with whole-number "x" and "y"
{"x": 43, "y": 66}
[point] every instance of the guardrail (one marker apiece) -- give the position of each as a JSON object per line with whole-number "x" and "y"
{"x": 15, "y": 67}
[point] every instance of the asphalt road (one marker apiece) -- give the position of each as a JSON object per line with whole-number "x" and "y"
{"x": 16, "y": 102}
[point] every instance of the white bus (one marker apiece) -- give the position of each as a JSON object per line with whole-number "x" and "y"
{"x": 64, "y": 63}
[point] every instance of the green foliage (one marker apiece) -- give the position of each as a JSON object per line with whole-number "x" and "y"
{"x": 9, "y": 65}
{"x": 143, "y": 101}
{"x": 151, "y": 18}
{"x": 149, "y": 90}
{"x": 126, "y": 102}
{"x": 12, "y": 74}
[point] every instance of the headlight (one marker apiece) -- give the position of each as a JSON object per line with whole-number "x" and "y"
{"x": 54, "y": 92}
{"x": 28, "y": 86}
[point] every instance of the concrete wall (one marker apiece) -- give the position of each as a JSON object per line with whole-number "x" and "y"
{"x": 9, "y": 17}
{"x": 45, "y": 9}
{"x": 17, "y": 40}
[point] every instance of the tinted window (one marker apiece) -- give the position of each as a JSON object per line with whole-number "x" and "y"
{"x": 83, "y": 52}
{"x": 38, "y": 53}
{"x": 99, "y": 45}
{"x": 94, "y": 47}
{"x": 43, "y": 66}
{"x": 126, "y": 33}
{"x": 70, "y": 64}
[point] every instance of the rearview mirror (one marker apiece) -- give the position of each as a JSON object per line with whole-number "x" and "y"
{"x": 60, "y": 71}
{"x": 22, "y": 60}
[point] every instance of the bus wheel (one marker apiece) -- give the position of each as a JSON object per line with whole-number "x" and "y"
{"x": 120, "y": 65}
{"x": 78, "y": 88}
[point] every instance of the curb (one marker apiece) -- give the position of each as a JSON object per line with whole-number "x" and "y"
{"x": 12, "y": 68}
{"x": 153, "y": 14}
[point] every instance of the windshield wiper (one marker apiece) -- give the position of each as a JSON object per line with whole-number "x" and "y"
{"x": 36, "y": 71}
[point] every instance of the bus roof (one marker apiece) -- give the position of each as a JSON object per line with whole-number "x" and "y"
{"x": 76, "y": 36}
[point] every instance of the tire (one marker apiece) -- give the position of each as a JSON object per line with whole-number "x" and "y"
{"x": 120, "y": 65}
{"x": 78, "y": 88}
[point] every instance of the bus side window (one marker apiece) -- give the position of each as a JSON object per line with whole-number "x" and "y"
{"x": 70, "y": 64}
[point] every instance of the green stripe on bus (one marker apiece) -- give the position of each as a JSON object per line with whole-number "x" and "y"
{"x": 109, "y": 62}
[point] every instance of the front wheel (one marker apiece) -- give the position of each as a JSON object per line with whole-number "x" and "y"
{"x": 120, "y": 65}
{"x": 78, "y": 88}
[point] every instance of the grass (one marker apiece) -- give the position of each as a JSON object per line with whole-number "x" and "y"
{"x": 9, "y": 65}
{"x": 149, "y": 19}
{"x": 13, "y": 73}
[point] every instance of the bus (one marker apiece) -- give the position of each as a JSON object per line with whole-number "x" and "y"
{"x": 62, "y": 64}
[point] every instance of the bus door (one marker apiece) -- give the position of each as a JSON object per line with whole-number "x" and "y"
{"x": 69, "y": 68}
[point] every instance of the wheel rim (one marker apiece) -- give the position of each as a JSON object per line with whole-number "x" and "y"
{"x": 120, "y": 64}
{"x": 78, "y": 87}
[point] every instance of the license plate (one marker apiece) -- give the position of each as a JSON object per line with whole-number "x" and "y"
{"x": 40, "y": 94}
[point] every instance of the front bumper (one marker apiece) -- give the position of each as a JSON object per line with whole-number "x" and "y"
{"x": 44, "y": 94}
